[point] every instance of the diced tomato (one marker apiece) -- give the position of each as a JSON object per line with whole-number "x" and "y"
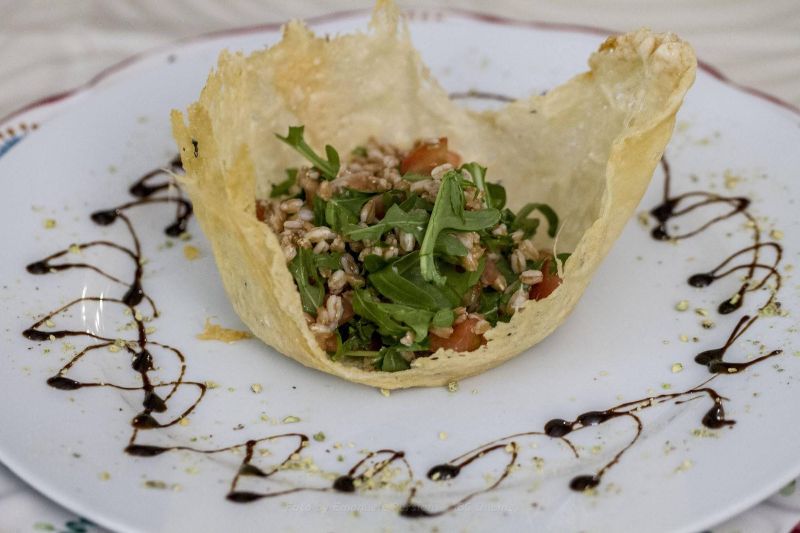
{"x": 425, "y": 157}
{"x": 347, "y": 305}
{"x": 548, "y": 284}
{"x": 261, "y": 210}
{"x": 463, "y": 338}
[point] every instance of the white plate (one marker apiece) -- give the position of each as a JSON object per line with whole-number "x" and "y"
{"x": 619, "y": 345}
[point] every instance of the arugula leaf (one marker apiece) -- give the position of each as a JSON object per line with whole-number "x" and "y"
{"x": 367, "y": 306}
{"x": 562, "y": 258}
{"x": 509, "y": 292}
{"x": 393, "y": 197}
{"x": 320, "y": 207}
{"x": 448, "y": 244}
{"x": 448, "y": 213}
{"x": 392, "y": 361}
{"x": 443, "y": 318}
{"x": 412, "y": 222}
{"x": 497, "y": 243}
{"x": 400, "y": 290}
{"x": 488, "y": 306}
{"x": 361, "y": 329}
{"x": 417, "y": 319}
{"x": 460, "y": 282}
{"x": 331, "y": 261}
{"x": 309, "y": 282}
{"x": 283, "y": 188}
{"x": 359, "y": 340}
{"x": 359, "y": 151}
{"x": 344, "y": 209}
{"x": 374, "y": 263}
{"x": 415, "y": 202}
{"x": 401, "y": 282}
{"x": 504, "y": 267}
{"x": 333, "y": 159}
{"x": 522, "y": 221}
{"x": 537, "y": 264}
{"x": 389, "y": 317}
{"x": 415, "y": 176}
{"x": 498, "y": 195}
{"x": 478, "y": 174}
{"x": 508, "y": 218}
{"x": 295, "y": 139}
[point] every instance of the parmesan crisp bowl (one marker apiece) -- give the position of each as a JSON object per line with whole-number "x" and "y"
{"x": 588, "y": 148}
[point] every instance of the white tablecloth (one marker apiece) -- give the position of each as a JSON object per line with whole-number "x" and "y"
{"x": 47, "y": 46}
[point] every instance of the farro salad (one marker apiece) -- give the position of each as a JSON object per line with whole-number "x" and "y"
{"x": 396, "y": 254}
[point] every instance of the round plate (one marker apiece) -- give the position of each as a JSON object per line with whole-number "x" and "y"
{"x": 625, "y": 341}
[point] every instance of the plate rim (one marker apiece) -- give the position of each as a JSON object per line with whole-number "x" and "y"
{"x": 63, "y": 98}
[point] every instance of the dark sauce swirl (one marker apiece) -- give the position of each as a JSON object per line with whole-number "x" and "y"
{"x": 157, "y": 395}
{"x": 746, "y": 260}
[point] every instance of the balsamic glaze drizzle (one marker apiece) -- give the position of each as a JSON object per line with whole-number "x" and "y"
{"x": 156, "y": 395}
{"x": 669, "y": 209}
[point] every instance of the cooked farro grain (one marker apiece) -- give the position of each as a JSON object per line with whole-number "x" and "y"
{"x": 294, "y": 224}
{"x": 439, "y": 171}
{"x": 529, "y": 250}
{"x": 517, "y": 261}
{"x": 531, "y": 277}
{"x": 443, "y": 332}
{"x": 292, "y": 206}
{"x": 337, "y": 282}
{"x": 407, "y": 241}
{"x": 320, "y": 233}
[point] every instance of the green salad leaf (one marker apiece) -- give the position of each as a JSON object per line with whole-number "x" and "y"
{"x": 416, "y": 319}
{"x": 369, "y": 307}
{"x": 319, "y": 207}
{"x": 284, "y": 187}
{"x": 402, "y": 282}
{"x": 414, "y": 201}
{"x": 478, "y": 174}
{"x": 448, "y": 244}
{"x": 498, "y": 195}
{"x": 443, "y": 318}
{"x": 529, "y": 225}
{"x": 390, "y": 360}
{"x": 488, "y": 306}
{"x": 328, "y": 168}
{"x": 309, "y": 282}
{"x": 359, "y": 151}
{"x": 449, "y": 213}
{"x": 344, "y": 209}
{"x": 331, "y": 261}
{"x": 411, "y": 222}
{"x": 460, "y": 281}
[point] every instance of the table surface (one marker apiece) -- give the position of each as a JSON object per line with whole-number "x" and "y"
{"x": 47, "y": 47}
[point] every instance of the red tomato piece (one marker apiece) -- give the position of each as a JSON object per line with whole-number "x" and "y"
{"x": 463, "y": 338}
{"x": 549, "y": 283}
{"x": 427, "y": 156}
{"x": 261, "y": 210}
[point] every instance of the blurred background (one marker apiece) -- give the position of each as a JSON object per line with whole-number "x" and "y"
{"x": 47, "y": 46}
